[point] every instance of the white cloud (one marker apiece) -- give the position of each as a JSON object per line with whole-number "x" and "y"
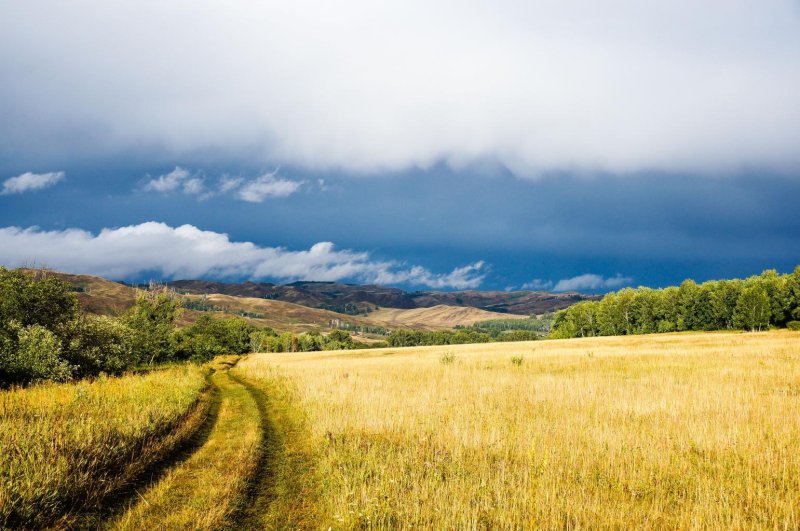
{"x": 253, "y": 191}
{"x": 619, "y": 85}
{"x": 591, "y": 282}
{"x": 537, "y": 284}
{"x": 30, "y": 181}
{"x": 132, "y": 251}
{"x": 228, "y": 183}
{"x": 168, "y": 182}
{"x": 267, "y": 185}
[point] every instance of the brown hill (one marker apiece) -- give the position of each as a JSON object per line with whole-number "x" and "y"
{"x": 101, "y": 296}
{"x": 349, "y": 297}
{"x": 279, "y": 315}
{"x": 436, "y": 317}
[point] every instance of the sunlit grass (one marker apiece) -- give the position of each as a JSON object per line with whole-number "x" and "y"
{"x": 677, "y": 431}
{"x": 64, "y": 447}
{"x": 207, "y": 489}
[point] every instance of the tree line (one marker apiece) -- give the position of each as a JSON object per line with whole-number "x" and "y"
{"x": 755, "y": 303}
{"x": 417, "y": 338}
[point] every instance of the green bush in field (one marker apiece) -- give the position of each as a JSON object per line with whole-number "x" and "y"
{"x": 35, "y": 356}
{"x": 209, "y": 337}
{"x": 95, "y": 344}
{"x": 793, "y": 325}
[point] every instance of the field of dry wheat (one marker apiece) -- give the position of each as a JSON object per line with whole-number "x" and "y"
{"x": 678, "y": 431}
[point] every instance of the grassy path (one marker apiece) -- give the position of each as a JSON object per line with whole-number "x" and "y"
{"x": 210, "y": 488}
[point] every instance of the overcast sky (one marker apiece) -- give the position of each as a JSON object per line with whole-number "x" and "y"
{"x": 495, "y": 145}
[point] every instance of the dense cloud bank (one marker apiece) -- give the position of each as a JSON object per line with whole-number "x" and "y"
{"x": 616, "y": 86}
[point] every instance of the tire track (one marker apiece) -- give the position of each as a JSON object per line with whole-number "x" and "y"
{"x": 206, "y": 490}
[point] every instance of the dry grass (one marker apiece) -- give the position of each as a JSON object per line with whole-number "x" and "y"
{"x": 63, "y": 448}
{"x": 675, "y": 431}
{"x": 205, "y": 491}
{"x": 280, "y": 315}
{"x": 438, "y": 317}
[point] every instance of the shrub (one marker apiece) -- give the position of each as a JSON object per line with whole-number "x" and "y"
{"x": 517, "y": 360}
{"x": 793, "y": 325}
{"x": 36, "y": 356}
{"x": 99, "y": 344}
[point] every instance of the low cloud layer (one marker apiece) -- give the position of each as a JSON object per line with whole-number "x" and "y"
{"x": 586, "y": 282}
{"x": 617, "y": 86}
{"x": 28, "y": 182}
{"x": 162, "y": 251}
{"x": 265, "y": 186}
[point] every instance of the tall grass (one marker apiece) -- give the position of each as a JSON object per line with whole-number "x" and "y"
{"x": 671, "y": 431}
{"x": 205, "y": 491}
{"x": 65, "y": 447}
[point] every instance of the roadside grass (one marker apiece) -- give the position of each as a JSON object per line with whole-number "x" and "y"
{"x": 664, "y": 431}
{"x": 210, "y": 487}
{"x": 64, "y": 448}
{"x": 286, "y": 493}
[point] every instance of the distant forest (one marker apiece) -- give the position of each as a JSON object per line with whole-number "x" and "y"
{"x": 760, "y": 302}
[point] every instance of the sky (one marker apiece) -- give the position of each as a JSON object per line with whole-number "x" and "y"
{"x": 554, "y": 145}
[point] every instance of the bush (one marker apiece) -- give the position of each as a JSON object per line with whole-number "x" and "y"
{"x": 209, "y": 337}
{"x": 517, "y": 360}
{"x": 36, "y": 356}
{"x": 793, "y": 325}
{"x": 99, "y": 344}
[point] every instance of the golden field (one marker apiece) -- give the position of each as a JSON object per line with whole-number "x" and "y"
{"x": 65, "y": 447}
{"x": 663, "y": 431}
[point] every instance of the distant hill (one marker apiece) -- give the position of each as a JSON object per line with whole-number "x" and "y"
{"x": 334, "y": 295}
{"x": 303, "y": 306}
{"x": 435, "y": 317}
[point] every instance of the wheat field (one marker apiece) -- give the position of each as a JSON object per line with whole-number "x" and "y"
{"x": 664, "y": 431}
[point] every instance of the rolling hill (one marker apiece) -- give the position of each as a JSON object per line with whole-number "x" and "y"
{"x": 436, "y": 317}
{"x": 332, "y": 295}
{"x": 105, "y": 297}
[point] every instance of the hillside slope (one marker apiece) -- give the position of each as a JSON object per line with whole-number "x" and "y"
{"x": 105, "y": 297}
{"x": 436, "y": 317}
{"x": 332, "y": 295}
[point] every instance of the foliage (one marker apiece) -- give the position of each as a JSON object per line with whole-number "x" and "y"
{"x": 415, "y": 338}
{"x": 497, "y": 328}
{"x": 268, "y": 341}
{"x": 152, "y": 320}
{"x": 35, "y": 356}
{"x": 751, "y": 304}
{"x": 793, "y": 325}
{"x": 98, "y": 344}
{"x": 209, "y": 337}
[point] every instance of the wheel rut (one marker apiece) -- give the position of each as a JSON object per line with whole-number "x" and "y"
{"x": 211, "y": 487}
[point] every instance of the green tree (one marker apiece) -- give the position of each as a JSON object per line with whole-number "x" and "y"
{"x": 752, "y": 310}
{"x": 153, "y": 320}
